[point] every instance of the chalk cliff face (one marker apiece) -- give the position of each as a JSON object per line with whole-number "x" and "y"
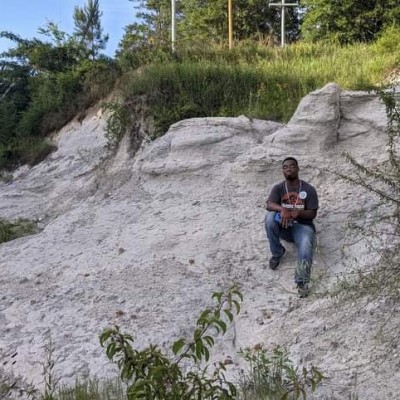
{"x": 143, "y": 241}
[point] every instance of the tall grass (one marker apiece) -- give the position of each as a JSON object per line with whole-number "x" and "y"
{"x": 254, "y": 80}
{"x": 92, "y": 390}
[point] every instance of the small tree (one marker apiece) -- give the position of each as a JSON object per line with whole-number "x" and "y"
{"x": 152, "y": 374}
{"x": 88, "y": 29}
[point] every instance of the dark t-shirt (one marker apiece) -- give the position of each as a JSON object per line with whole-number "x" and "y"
{"x": 304, "y": 197}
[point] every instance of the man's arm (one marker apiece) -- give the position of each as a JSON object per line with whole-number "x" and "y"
{"x": 304, "y": 214}
{"x": 272, "y": 206}
{"x": 289, "y": 215}
{"x": 311, "y": 206}
{"x": 274, "y": 199}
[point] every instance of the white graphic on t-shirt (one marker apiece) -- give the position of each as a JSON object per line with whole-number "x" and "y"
{"x": 294, "y": 200}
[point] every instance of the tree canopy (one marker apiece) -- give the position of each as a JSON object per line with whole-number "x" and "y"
{"x": 44, "y": 83}
{"x": 348, "y": 21}
{"x": 88, "y": 29}
{"x": 200, "y": 20}
{"x": 345, "y": 21}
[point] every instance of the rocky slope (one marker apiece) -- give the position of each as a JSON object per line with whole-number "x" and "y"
{"x": 143, "y": 241}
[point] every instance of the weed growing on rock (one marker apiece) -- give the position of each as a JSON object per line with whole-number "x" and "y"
{"x": 50, "y": 378}
{"x": 272, "y": 375}
{"x": 118, "y": 122}
{"x": 92, "y": 389}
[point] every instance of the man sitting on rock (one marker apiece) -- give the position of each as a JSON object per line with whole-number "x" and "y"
{"x": 292, "y": 206}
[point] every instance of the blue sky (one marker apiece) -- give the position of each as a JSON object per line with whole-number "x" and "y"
{"x": 24, "y": 17}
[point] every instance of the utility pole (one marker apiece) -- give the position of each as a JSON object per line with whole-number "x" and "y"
{"x": 283, "y": 6}
{"x": 173, "y": 25}
{"x": 230, "y": 24}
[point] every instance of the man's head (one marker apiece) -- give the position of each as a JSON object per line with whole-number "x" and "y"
{"x": 290, "y": 168}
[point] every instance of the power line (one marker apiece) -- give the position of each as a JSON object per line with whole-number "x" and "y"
{"x": 230, "y": 23}
{"x": 283, "y": 6}
{"x": 173, "y": 30}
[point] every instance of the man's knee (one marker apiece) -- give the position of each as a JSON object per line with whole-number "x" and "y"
{"x": 270, "y": 219}
{"x": 306, "y": 240}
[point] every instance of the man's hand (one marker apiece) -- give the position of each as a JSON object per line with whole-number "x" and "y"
{"x": 295, "y": 214}
{"x": 287, "y": 218}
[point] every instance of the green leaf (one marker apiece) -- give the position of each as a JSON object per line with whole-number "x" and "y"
{"x": 217, "y": 295}
{"x": 220, "y": 324}
{"x": 229, "y": 315}
{"x": 313, "y": 385}
{"x": 209, "y": 340}
{"x": 205, "y": 314}
{"x": 237, "y": 306}
{"x": 238, "y": 294}
{"x": 110, "y": 352}
{"x": 197, "y": 334}
{"x": 199, "y": 350}
{"x": 105, "y": 336}
{"x": 206, "y": 353}
{"x": 177, "y": 346}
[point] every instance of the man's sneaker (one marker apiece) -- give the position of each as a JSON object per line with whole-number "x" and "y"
{"x": 303, "y": 290}
{"x": 274, "y": 261}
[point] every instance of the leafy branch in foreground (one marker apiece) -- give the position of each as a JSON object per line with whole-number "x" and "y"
{"x": 152, "y": 374}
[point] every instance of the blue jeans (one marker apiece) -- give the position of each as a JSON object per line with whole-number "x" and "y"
{"x": 301, "y": 235}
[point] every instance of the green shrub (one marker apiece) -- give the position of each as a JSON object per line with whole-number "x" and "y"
{"x": 8, "y": 121}
{"x": 99, "y": 79}
{"x": 31, "y": 151}
{"x": 388, "y": 41}
{"x": 13, "y": 230}
{"x": 118, "y": 121}
{"x": 54, "y": 99}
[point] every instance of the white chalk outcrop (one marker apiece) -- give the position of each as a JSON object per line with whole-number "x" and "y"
{"x": 143, "y": 241}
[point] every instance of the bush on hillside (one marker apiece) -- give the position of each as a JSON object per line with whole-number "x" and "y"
{"x": 13, "y": 230}
{"x": 55, "y": 99}
{"x": 178, "y": 91}
{"x": 388, "y": 41}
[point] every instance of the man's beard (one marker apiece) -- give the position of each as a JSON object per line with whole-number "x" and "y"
{"x": 292, "y": 178}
